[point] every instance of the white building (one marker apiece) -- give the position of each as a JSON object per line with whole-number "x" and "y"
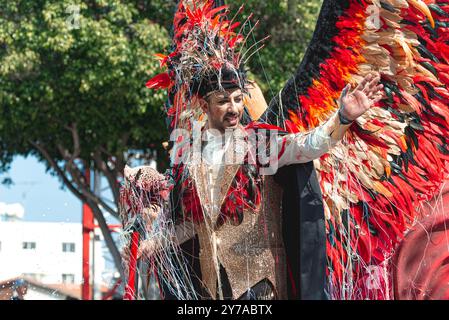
{"x": 48, "y": 252}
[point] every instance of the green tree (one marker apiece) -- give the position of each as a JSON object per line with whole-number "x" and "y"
{"x": 290, "y": 25}
{"x": 72, "y": 77}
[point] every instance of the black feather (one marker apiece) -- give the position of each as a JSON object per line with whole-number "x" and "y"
{"x": 438, "y": 10}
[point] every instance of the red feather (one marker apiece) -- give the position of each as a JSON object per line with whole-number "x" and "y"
{"x": 161, "y": 81}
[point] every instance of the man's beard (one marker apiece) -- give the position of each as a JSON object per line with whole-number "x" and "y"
{"x": 231, "y": 118}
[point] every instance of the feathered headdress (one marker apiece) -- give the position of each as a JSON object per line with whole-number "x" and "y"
{"x": 207, "y": 56}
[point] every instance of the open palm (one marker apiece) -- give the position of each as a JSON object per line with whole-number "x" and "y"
{"x": 365, "y": 95}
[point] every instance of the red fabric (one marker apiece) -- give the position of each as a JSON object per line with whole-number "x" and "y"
{"x": 130, "y": 288}
{"x": 421, "y": 263}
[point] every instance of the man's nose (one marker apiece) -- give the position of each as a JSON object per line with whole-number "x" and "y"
{"x": 233, "y": 107}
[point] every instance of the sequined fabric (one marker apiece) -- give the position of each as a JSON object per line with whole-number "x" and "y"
{"x": 249, "y": 252}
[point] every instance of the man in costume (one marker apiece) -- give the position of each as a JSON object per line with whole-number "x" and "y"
{"x": 233, "y": 207}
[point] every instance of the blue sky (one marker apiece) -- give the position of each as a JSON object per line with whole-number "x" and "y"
{"x": 39, "y": 193}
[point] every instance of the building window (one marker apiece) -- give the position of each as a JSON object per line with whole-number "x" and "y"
{"x": 29, "y": 245}
{"x": 68, "y": 278}
{"x": 36, "y": 276}
{"x": 68, "y": 247}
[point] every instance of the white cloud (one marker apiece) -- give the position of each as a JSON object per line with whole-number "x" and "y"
{"x": 12, "y": 209}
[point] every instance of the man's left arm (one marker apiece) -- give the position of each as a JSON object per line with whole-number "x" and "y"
{"x": 306, "y": 147}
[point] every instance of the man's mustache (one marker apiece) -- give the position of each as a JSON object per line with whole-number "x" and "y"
{"x": 231, "y": 115}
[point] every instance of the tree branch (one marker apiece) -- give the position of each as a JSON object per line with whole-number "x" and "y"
{"x": 76, "y": 144}
{"x": 75, "y": 172}
{"x": 109, "y": 174}
{"x": 78, "y": 178}
{"x": 92, "y": 204}
{"x": 41, "y": 149}
{"x": 110, "y": 243}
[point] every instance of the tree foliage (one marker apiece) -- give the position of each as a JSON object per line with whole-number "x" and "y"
{"x": 290, "y": 25}
{"x": 74, "y": 95}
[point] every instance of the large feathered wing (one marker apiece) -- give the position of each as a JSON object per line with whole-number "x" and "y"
{"x": 394, "y": 157}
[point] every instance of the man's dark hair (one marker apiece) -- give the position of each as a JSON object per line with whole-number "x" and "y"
{"x": 229, "y": 79}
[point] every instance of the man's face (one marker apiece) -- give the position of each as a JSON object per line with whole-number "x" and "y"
{"x": 224, "y": 109}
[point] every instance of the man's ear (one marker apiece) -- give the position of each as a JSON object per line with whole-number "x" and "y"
{"x": 204, "y": 105}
